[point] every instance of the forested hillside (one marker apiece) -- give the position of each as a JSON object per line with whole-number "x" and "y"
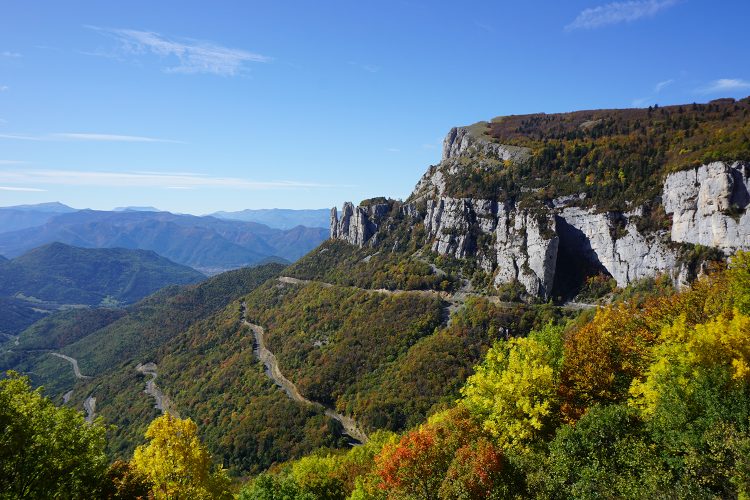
{"x": 70, "y": 275}
{"x": 58, "y": 276}
{"x": 647, "y": 398}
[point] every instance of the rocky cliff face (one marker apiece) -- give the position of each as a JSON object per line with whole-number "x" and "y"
{"x": 709, "y": 205}
{"x": 529, "y": 242}
{"x": 358, "y": 225}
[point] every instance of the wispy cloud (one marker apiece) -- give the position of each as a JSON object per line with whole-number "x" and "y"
{"x": 193, "y": 56}
{"x": 3, "y": 88}
{"x": 70, "y": 136}
{"x": 25, "y": 189}
{"x": 485, "y": 27}
{"x": 393, "y": 150}
{"x": 725, "y": 85}
{"x": 618, "y": 12}
{"x": 8, "y": 53}
{"x": 110, "y": 138}
{"x": 11, "y": 162}
{"x": 164, "y": 180}
{"x": 370, "y": 68}
{"x": 662, "y": 85}
{"x": 642, "y": 101}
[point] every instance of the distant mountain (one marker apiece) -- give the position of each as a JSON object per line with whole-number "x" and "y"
{"x": 281, "y": 218}
{"x": 25, "y": 216}
{"x": 51, "y": 207}
{"x": 136, "y": 209}
{"x": 205, "y": 243}
{"x": 57, "y": 276}
{"x": 69, "y": 275}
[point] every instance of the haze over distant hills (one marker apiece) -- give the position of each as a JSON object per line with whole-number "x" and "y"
{"x": 206, "y": 243}
{"x": 49, "y": 277}
{"x": 281, "y": 218}
{"x": 23, "y": 216}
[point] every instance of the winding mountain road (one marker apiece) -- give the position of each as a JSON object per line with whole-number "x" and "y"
{"x": 90, "y": 406}
{"x": 274, "y": 373}
{"x": 90, "y": 403}
{"x": 162, "y": 401}
{"x": 73, "y": 362}
{"x": 455, "y": 300}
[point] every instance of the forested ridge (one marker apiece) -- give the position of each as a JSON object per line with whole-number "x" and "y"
{"x": 612, "y": 156}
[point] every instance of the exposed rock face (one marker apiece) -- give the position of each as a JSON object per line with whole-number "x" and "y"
{"x": 461, "y": 142}
{"x": 708, "y": 204}
{"x": 612, "y": 240}
{"x": 357, "y": 225}
{"x": 526, "y": 249}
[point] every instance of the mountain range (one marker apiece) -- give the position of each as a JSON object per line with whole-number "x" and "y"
{"x": 280, "y": 217}
{"x": 205, "y": 243}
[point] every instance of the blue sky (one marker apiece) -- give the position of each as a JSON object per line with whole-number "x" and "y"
{"x": 203, "y": 106}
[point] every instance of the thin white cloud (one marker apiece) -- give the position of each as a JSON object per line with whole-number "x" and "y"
{"x": 662, "y": 85}
{"x": 370, "y": 68}
{"x": 3, "y": 88}
{"x": 8, "y": 53}
{"x": 153, "y": 180}
{"x": 725, "y": 85}
{"x": 642, "y": 101}
{"x": 70, "y": 136}
{"x": 193, "y": 56}
{"x": 393, "y": 150}
{"x": 618, "y": 12}
{"x": 485, "y": 27}
{"x": 11, "y": 162}
{"x": 21, "y": 137}
{"x": 110, "y": 138}
{"x": 25, "y": 189}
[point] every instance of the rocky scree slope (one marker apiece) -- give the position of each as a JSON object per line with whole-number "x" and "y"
{"x": 547, "y": 200}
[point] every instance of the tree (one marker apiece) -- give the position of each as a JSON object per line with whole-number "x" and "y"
{"x": 416, "y": 465}
{"x": 46, "y": 451}
{"x": 474, "y": 472}
{"x": 177, "y": 463}
{"x": 124, "y": 482}
{"x": 514, "y": 391}
{"x": 606, "y": 454}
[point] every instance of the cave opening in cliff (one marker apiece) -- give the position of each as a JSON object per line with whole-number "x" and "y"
{"x": 576, "y": 262}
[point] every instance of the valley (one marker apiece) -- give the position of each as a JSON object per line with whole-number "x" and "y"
{"x": 484, "y": 320}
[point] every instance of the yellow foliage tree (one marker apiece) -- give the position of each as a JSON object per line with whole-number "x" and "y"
{"x": 178, "y": 464}
{"x": 685, "y": 352}
{"x": 514, "y": 391}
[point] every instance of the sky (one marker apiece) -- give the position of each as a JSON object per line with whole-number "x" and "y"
{"x": 196, "y": 107}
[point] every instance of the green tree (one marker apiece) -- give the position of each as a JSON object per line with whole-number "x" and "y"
{"x": 606, "y": 454}
{"x": 46, "y": 451}
{"x": 177, "y": 463}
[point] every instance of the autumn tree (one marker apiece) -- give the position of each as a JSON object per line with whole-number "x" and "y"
{"x": 177, "y": 463}
{"x": 513, "y": 393}
{"x": 46, "y": 451}
{"x": 416, "y": 465}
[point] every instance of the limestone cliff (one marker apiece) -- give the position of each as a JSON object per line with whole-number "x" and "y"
{"x": 528, "y": 240}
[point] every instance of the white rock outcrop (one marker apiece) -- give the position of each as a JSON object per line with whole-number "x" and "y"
{"x": 708, "y": 205}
